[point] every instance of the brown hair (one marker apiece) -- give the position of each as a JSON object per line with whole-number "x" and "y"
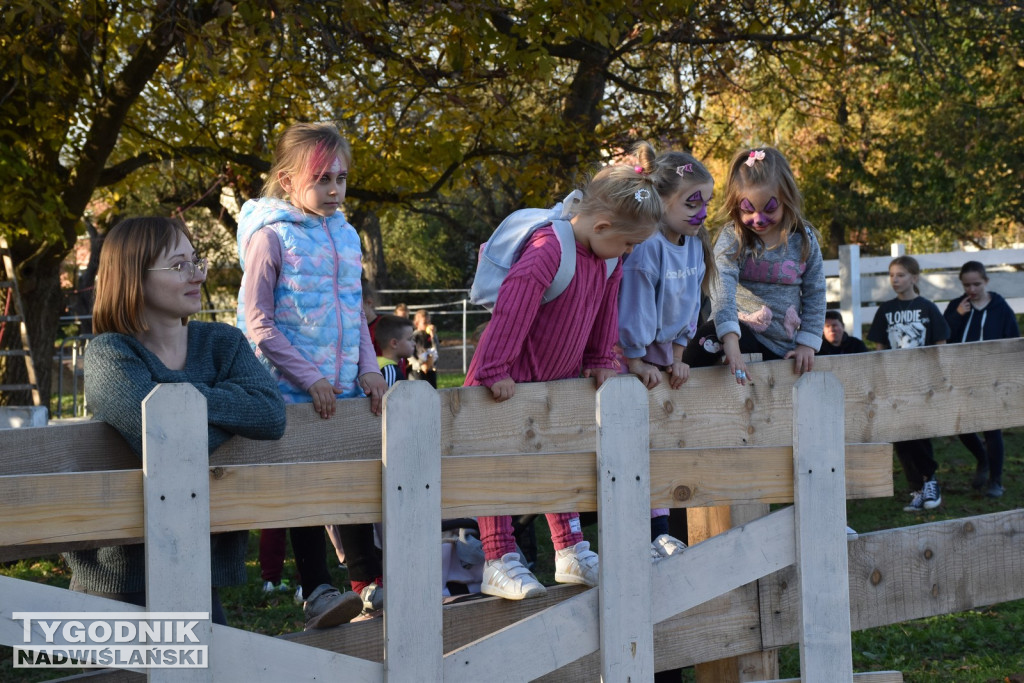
{"x": 974, "y": 267}
{"x": 390, "y": 327}
{"x": 675, "y": 173}
{"x": 303, "y": 153}
{"x": 909, "y": 264}
{"x": 627, "y": 196}
{"x": 131, "y": 246}
{"x": 773, "y": 169}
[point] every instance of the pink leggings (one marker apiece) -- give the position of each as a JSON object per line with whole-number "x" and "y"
{"x": 496, "y": 533}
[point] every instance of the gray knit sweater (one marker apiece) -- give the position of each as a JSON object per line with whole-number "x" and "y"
{"x": 779, "y": 297}
{"x": 241, "y": 398}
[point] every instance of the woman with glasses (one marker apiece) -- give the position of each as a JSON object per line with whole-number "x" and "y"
{"x": 148, "y": 284}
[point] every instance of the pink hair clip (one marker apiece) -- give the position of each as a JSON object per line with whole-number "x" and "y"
{"x": 754, "y": 156}
{"x": 639, "y": 169}
{"x": 685, "y": 168}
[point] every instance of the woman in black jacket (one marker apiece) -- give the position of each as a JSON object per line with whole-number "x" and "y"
{"x": 981, "y": 315}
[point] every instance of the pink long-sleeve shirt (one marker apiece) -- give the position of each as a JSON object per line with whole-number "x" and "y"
{"x": 531, "y": 342}
{"x": 263, "y": 263}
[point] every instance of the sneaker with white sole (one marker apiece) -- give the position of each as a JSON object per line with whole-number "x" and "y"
{"x": 299, "y": 597}
{"x": 917, "y": 502}
{"x": 328, "y": 606}
{"x": 271, "y": 587}
{"x": 576, "y": 564}
{"x": 666, "y": 546}
{"x": 932, "y": 495}
{"x": 373, "y": 602}
{"x": 508, "y": 578}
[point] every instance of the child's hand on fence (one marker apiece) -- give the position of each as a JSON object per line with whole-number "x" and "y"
{"x": 737, "y": 367}
{"x": 323, "y": 398}
{"x": 804, "y": 356}
{"x": 503, "y": 389}
{"x": 374, "y": 386}
{"x": 602, "y": 375}
{"x": 647, "y": 373}
{"x": 680, "y": 372}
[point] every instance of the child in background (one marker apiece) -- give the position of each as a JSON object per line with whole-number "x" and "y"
{"x": 660, "y": 295}
{"x": 770, "y": 293}
{"x": 907, "y": 322}
{"x": 981, "y": 315}
{"x": 394, "y": 336}
{"x": 421, "y": 362}
{"x": 572, "y": 334}
{"x": 301, "y": 306}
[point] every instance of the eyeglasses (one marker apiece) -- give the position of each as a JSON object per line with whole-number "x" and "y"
{"x": 187, "y": 269}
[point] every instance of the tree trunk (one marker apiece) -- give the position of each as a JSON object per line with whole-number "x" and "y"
{"x": 367, "y": 224}
{"x": 39, "y": 283}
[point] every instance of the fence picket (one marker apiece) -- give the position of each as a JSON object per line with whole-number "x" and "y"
{"x": 176, "y": 500}
{"x": 820, "y": 485}
{"x": 624, "y": 502}
{"x": 411, "y": 501}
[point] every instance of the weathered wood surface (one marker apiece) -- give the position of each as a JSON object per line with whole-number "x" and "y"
{"x": 987, "y": 571}
{"x": 933, "y": 391}
{"x": 822, "y": 573}
{"x": 108, "y": 505}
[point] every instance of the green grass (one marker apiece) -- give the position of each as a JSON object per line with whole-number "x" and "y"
{"x": 978, "y": 646}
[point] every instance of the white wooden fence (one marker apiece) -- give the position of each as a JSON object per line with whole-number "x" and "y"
{"x": 859, "y": 284}
{"x": 620, "y": 451}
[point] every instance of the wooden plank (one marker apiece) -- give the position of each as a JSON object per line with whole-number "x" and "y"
{"x": 989, "y": 569}
{"x": 941, "y": 390}
{"x": 867, "y": 677}
{"x": 624, "y": 513}
{"x": 240, "y": 655}
{"x": 176, "y": 500}
{"x": 413, "y": 644}
{"x": 108, "y": 504}
{"x": 914, "y": 572}
{"x": 826, "y": 652}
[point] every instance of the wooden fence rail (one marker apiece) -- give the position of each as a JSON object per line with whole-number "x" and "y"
{"x": 453, "y": 452}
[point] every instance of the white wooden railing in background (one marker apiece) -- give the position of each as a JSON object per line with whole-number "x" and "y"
{"x": 939, "y": 279}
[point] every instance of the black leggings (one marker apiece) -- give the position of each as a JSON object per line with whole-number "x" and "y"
{"x": 309, "y": 546}
{"x": 705, "y": 349}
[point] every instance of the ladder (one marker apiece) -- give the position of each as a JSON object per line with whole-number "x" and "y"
{"x": 11, "y": 298}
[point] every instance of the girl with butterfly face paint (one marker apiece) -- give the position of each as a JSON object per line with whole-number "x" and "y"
{"x": 660, "y": 294}
{"x": 770, "y": 296}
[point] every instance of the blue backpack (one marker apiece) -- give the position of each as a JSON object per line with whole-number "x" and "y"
{"x": 503, "y": 249}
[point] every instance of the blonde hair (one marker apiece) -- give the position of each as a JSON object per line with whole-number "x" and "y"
{"x": 675, "y": 173}
{"x": 625, "y": 194}
{"x": 909, "y": 264}
{"x": 773, "y": 169}
{"x": 303, "y": 153}
{"x": 132, "y": 246}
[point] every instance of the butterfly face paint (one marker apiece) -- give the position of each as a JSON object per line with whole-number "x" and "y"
{"x": 765, "y": 219}
{"x": 686, "y": 211}
{"x": 698, "y": 200}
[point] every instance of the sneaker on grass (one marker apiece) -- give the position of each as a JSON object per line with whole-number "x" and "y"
{"x": 271, "y": 587}
{"x": 576, "y": 564}
{"x": 917, "y": 502}
{"x": 931, "y": 494}
{"x": 508, "y": 578}
{"x": 328, "y": 606}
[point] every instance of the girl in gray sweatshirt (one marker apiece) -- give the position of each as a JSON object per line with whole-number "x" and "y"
{"x": 770, "y": 294}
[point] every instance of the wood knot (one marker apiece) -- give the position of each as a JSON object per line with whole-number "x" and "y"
{"x": 935, "y": 590}
{"x": 217, "y": 472}
{"x": 530, "y": 434}
{"x": 682, "y": 493}
{"x": 876, "y": 577}
{"x": 749, "y": 405}
{"x": 969, "y": 527}
{"x": 871, "y": 396}
{"x": 668, "y": 407}
{"x": 928, "y": 554}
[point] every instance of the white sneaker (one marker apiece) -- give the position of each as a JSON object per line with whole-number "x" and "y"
{"x": 576, "y": 564}
{"x": 508, "y": 578}
{"x": 665, "y": 546}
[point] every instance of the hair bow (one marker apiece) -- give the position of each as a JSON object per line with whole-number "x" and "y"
{"x": 754, "y": 156}
{"x": 685, "y": 168}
